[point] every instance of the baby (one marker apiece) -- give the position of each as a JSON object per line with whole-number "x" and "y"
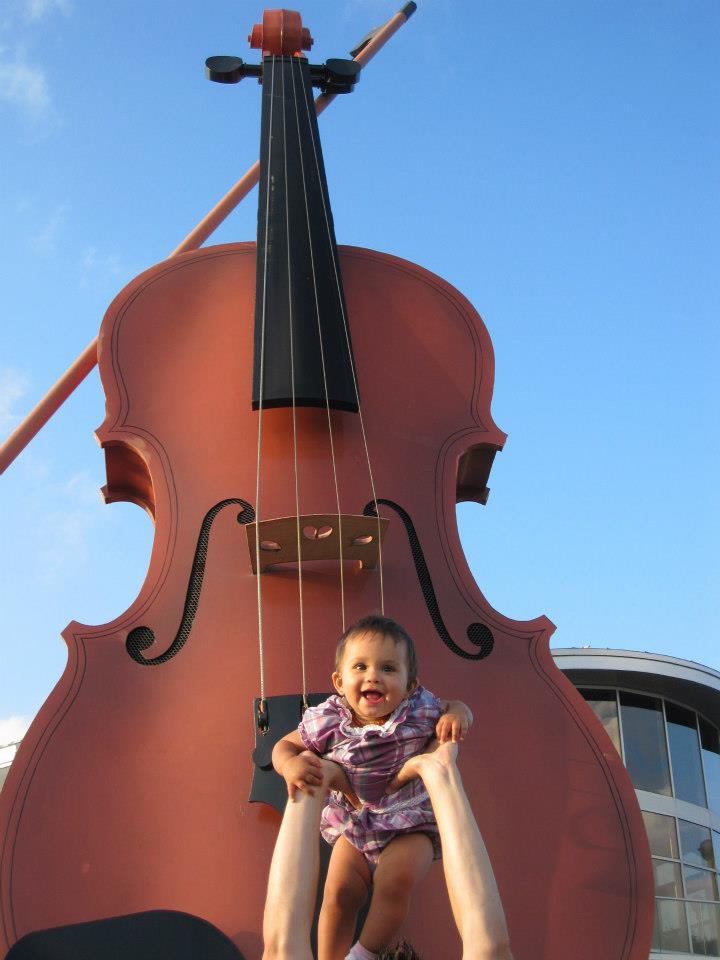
{"x": 379, "y": 718}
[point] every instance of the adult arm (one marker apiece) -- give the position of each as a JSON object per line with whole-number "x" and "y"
{"x": 292, "y": 883}
{"x": 472, "y": 888}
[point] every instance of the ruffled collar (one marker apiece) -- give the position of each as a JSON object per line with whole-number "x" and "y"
{"x": 380, "y": 729}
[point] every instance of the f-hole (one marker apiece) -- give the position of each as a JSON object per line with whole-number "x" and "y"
{"x": 141, "y": 638}
{"x": 479, "y": 634}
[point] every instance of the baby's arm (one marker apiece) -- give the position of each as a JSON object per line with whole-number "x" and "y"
{"x": 455, "y": 721}
{"x": 300, "y": 768}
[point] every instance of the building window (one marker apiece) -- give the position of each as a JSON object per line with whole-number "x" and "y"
{"x": 654, "y": 735}
{"x": 644, "y": 743}
{"x": 710, "y": 743}
{"x": 685, "y": 754}
{"x": 662, "y": 834}
{"x": 604, "y": 704}
{"x": 696, "y": 845}
{"x": 687, "y": 907}
{"x": 671, "y": 932}
{"x": 704, "y": 928}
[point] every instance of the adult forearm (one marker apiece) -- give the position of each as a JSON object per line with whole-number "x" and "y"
{"x": 473, "y": 891}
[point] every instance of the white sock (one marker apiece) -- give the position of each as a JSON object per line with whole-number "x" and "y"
{"x": 358, "y": 952}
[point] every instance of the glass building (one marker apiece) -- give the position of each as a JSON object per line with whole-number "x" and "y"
{"x": 663, "y": 714}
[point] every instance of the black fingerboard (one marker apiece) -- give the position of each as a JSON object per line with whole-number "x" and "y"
{"x": 300, "y": 314}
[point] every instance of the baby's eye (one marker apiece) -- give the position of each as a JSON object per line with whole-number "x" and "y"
{"x": 358, "y": 666}
{"x": 388, "y": 668}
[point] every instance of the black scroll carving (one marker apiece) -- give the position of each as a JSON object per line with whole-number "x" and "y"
{"x": 141, "y": 638}
{"x": 478, "y": 633}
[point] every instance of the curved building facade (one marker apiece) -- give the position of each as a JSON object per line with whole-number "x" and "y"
{"x": 663, "y": 716}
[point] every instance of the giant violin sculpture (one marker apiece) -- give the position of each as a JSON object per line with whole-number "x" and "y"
{"x": 295, "y": 486}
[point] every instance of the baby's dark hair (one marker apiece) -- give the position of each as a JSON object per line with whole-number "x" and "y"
{"x": 376, "y": 623}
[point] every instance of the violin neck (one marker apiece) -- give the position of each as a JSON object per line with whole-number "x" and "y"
{"x": 302, "y": 349}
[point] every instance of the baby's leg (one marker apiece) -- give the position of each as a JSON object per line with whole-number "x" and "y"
{"x": 346, "y": 887}
{"x": 401, "y": 866}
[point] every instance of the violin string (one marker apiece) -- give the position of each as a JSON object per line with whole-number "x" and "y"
{"x": 294, "y": 416}
{"x": 346, "y": 328}
{"x": 260, "y": 404}
{"x": 322, "y": 351}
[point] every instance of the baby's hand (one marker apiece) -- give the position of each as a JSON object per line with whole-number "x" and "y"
{"x": 302, "y": 772}
{"x": 337, "y": 780}
{"x": 454, "y": 723}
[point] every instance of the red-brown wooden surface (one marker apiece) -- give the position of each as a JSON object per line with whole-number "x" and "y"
{"x": 130, "y": 790}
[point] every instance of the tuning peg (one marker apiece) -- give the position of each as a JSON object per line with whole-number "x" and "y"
{"x": 224, "y": 69}
{"x": 336, "y": 76}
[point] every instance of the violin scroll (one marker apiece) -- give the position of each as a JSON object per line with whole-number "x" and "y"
{"x": 280, "y": 34}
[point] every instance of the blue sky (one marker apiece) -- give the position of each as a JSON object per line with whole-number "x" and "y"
{"x": 556, "y": 161}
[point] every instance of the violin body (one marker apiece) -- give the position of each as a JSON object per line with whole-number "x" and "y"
{"x": 130, "y": 791}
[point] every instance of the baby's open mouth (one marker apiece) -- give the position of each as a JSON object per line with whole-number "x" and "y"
{"x": 373, "y": 696}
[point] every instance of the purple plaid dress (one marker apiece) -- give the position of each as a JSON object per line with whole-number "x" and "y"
{"x": 371, "y": 756}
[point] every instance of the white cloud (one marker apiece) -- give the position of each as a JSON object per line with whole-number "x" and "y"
{"x": 13, "y": 387}
{"x": 12, "y": 729}
{"x": 23, "y": 82}
{"x": 31, "y": 12}
{"x": 100, "y": 268}
{"x": 65, "y": 531}
{"x": 24, "y": 87}
{"x": 82, "y": 488}
{"x": 36, "y": 9}
{"x": 45, "y": 240}
{"x": 64, "y": 534}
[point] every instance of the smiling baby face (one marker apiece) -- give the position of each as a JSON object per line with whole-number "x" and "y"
{"x": 373, "y": 676}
